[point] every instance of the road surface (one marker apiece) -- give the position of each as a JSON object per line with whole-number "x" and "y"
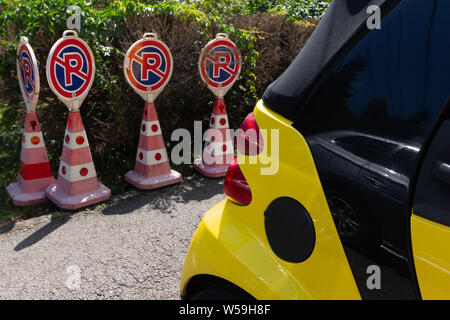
{"x": 132, "y": 249}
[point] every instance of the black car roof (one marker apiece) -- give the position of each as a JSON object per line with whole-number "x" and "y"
{"x": 340, "y": 23}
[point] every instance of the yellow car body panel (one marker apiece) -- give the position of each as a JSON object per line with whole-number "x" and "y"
{"x": 231, "y": 241}
{"x": 430, "y": 242}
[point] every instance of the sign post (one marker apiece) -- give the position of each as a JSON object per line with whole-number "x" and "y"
{"x": 219, "y": 67}
{"x": 147, "y": 67}
{"x": 34, "y": 170}
{"x": 70, "y": 74}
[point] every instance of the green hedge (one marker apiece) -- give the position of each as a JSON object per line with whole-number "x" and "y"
{"x": 112, "y": 111}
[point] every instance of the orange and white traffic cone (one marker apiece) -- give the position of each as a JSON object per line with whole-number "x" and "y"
{"x": 218, "y": 152}
{"x": 152, "y": 169}
{"x": 34, "y": 171}
{"x": 77, "y": 185}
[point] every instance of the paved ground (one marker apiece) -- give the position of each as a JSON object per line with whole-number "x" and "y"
{"x": 132, "y": 249}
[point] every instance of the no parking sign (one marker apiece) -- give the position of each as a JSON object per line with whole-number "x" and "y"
{"x": 220, "y": 64}
{"x": 27, "y": 70}
{"x": 70, "y": 69}
{"x": 148, "y": 66}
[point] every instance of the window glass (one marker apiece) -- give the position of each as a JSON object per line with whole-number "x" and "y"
{"x": 395, "y": 81}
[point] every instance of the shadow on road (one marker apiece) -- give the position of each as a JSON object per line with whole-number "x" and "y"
{"x": 191, "y": 189}
{"x": 163, "y": 200}
{"x": 41, "y": 233}
{"x": 7, "y": 228}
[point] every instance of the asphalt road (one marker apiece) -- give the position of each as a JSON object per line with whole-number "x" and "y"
{"x": 132, "y": 249}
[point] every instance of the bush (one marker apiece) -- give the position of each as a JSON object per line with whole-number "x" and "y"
{"x": 268, "y": 39}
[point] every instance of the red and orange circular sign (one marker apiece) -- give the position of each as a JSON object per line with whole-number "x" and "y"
{"x": 220, "y": 64}
{"x": 148, "y": 66}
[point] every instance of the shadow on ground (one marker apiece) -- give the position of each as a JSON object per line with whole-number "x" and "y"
{"x": 6, "y": 228}
{"x": 191, "y": 189}
{"x": 41, "y": 233}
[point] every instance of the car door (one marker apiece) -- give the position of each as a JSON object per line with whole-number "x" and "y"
{"x": 430, "y": 221}
{"x": 391, "y": 86}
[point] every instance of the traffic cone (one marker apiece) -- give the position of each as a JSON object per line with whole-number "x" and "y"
{"x": 34, "y": 171}
{"x": 218, "y": 152}
{"x": 152, "y": 168}
{"x": 77, "y": 185}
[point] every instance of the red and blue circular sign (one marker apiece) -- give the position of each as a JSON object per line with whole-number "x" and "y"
{"x": 70, "y": 67}
{"x": 28, "y": 73}
{"x": 220, "y": 64}
{"x": 148, "y": 66}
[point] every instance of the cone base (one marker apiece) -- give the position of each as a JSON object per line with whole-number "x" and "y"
{"x": 21, "y": 199}
{"x": 64, "y": 201}
{"x": 140, "y": 182}
{"x": 216, "y": 171}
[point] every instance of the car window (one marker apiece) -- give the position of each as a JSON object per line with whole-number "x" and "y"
{"x": 393, "y": 84}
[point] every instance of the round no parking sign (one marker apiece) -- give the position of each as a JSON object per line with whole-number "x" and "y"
{"x": 220, "y": 64}
{"x": 70, "y": 69}
{"x": 148, "y": 66}
{"x": 28, "y": 73}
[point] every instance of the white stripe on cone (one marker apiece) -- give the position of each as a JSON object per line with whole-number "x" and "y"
{"x": 151, "y": 157}
{"x": 217, "y": 121}
{"x": 216, "y": 148}
{"x": 77, "y": 173}
{"x": 150, "y": 128}
{"x": 33, "y": 140}
{"x": 76, "y": 140}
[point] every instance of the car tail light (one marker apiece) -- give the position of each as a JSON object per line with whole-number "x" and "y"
{"x": 236, "y": 186}
{"x": 249, "y": 140}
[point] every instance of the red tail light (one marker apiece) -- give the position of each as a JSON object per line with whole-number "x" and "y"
{"x": 249, "y": 140}
{"x": 235, "y": 185}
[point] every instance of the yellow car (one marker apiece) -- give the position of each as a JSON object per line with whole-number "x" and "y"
{"x": 341, "y": 186}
